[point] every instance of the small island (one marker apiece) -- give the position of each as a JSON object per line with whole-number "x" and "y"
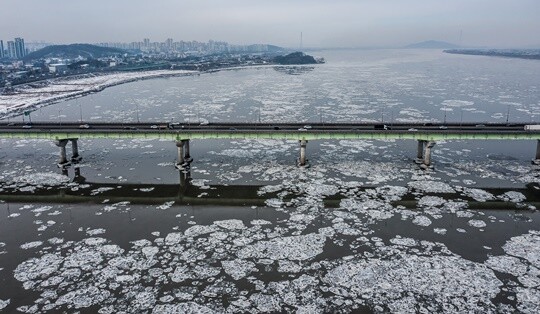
{"x": 297, "y": 58}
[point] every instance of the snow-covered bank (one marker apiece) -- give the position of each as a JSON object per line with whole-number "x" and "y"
{"x": 51, "y": 91}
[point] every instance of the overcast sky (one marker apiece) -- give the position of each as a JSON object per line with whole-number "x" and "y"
{"x": 324, "y": 23}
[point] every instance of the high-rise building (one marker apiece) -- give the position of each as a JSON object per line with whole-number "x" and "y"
{"x": 146, "y": 42}
{"x": 1, "y": 49}
{"x": 19, "y": 48}
{"x": 11, "y": 52}
{"x": 169, "y": 43}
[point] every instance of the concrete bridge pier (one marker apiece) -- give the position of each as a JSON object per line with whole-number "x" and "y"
{"x": 187, "y": 156}
{"x": 536, "y": 159}
{"x": 62, "y": 162}
{"x": 75, "y": 150}
{"x": 180, "y": 161}
{"x": 427, "y": 155}
{"x": 420, "y": 152}
{"x": 302, "y": 161}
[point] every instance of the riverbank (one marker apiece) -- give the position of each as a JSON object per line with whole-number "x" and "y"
{"x": 40, "y": 94}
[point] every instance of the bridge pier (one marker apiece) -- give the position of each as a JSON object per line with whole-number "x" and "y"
{"x": 420, "y": 152}
{"x": 187, "y": 156}
{"x": 75, "y": 150}
{"x": 427, "y": 155}
{"x": 302, "y": 161}
{"x": 62, "y": 162}
{"x": 180, "y": 161}
{"x": 536, "y": 160}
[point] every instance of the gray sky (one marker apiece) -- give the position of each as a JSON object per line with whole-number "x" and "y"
{"x": 324, "y": 23}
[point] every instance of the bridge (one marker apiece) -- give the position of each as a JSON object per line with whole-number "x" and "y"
{"x": 425, "y": 133}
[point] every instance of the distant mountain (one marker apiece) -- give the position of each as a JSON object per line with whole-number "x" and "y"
{"x": 432, "y": 44}
{"x": 73, "y": 51}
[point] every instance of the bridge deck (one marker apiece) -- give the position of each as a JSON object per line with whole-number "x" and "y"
{"x": 287, "y": 131}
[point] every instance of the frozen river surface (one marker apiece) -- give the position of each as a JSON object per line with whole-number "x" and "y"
{"x": 362, "y": 230}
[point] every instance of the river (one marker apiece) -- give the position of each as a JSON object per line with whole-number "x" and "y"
{"x": 363, "y": 229}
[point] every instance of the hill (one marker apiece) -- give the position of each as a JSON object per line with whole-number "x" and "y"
{"x": 73, "y": 51}
{"x": 295, "y": 58}
{"x": 432, "y": 44}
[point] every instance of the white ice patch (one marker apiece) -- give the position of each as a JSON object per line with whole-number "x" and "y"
{"x": 297, "y": 248}
{"x": 93, "y": 232}
{"x": 231, "y": 224}
{"x": 422, "y": 221}
{"x": 166, "y": 205}
{"x": 198, "y": 230}
{"x": 478, "y": 194}
{"x": 42, "y": 178}
{"x": 450, "y": 283}
{"x": 512, "y": 196}
{"x": 431, "y": 186}
{"x": 238, "y": 268}
{"x": 477, "y": 223}
{"x": 31, "y": 245}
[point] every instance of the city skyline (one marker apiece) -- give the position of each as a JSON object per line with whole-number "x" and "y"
{"x": 338, "y": 24}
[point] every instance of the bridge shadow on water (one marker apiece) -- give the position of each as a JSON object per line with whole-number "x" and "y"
{"x": 185, "y": 192}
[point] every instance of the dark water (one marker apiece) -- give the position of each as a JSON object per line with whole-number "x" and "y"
{"x": 362, "y": 229}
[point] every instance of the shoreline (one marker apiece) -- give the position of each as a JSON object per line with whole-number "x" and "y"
{"x": 51, "y": 93}
{"x": 38, "y": 97}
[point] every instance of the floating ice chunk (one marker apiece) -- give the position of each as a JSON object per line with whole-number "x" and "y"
{"x": 477, "y": 223}
{"x": 528, "y": 300}
{"x": 37, "y": 267}
{"x": 404, "y": 241}
{"x": 512, "y": 196}
{"x": 392, "y": 193}
{"x": 187, "y": 308}
{"x": 421, "y": 221}
{"x": 478, "y": 194}
{"x": 293, "y": 248}
{"x": 525, "y": 246}
{"x": 507, "y": 264}
{"x": 431, "y": 201}
{"x": 42, "y": 178}
{"x": 14, "y": 215}
{"x": 4, "y": 303}
{"x": 84, "y": 297}
{"x": 41, "y": 209}
{"x": 431, "y": 186}
{"x": 93, "y": 232}
{"x": 144, "y": 300}
{"x": 166, "y": 205}
{"x": 100, "y": 190}
{"x": 260, "y": 222}
{"x": 94, "y": 241}
{"x": 288, "y": 267}
{"x": 439, "y": 230}
{"x": 111, "y": 249}
{"x": 150, "y": 251}
{"x": 198, "y": 230}
{"x": 31, "y": 245}
{"x": 174, "y": 237}
{"x": 231, "y": 224}
{"x": 450, "y": 282}
{"x": 274, "y": 202}
{"x": 265, "y": 303}
{"x": 238, "y": 268}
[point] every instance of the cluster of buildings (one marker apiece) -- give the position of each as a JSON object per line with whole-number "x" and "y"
{"x": 170, "y": 46}
{"x": 13, "y": 49}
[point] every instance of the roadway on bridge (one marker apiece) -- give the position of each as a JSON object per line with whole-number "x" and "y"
{"x": 306, "y": 131}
